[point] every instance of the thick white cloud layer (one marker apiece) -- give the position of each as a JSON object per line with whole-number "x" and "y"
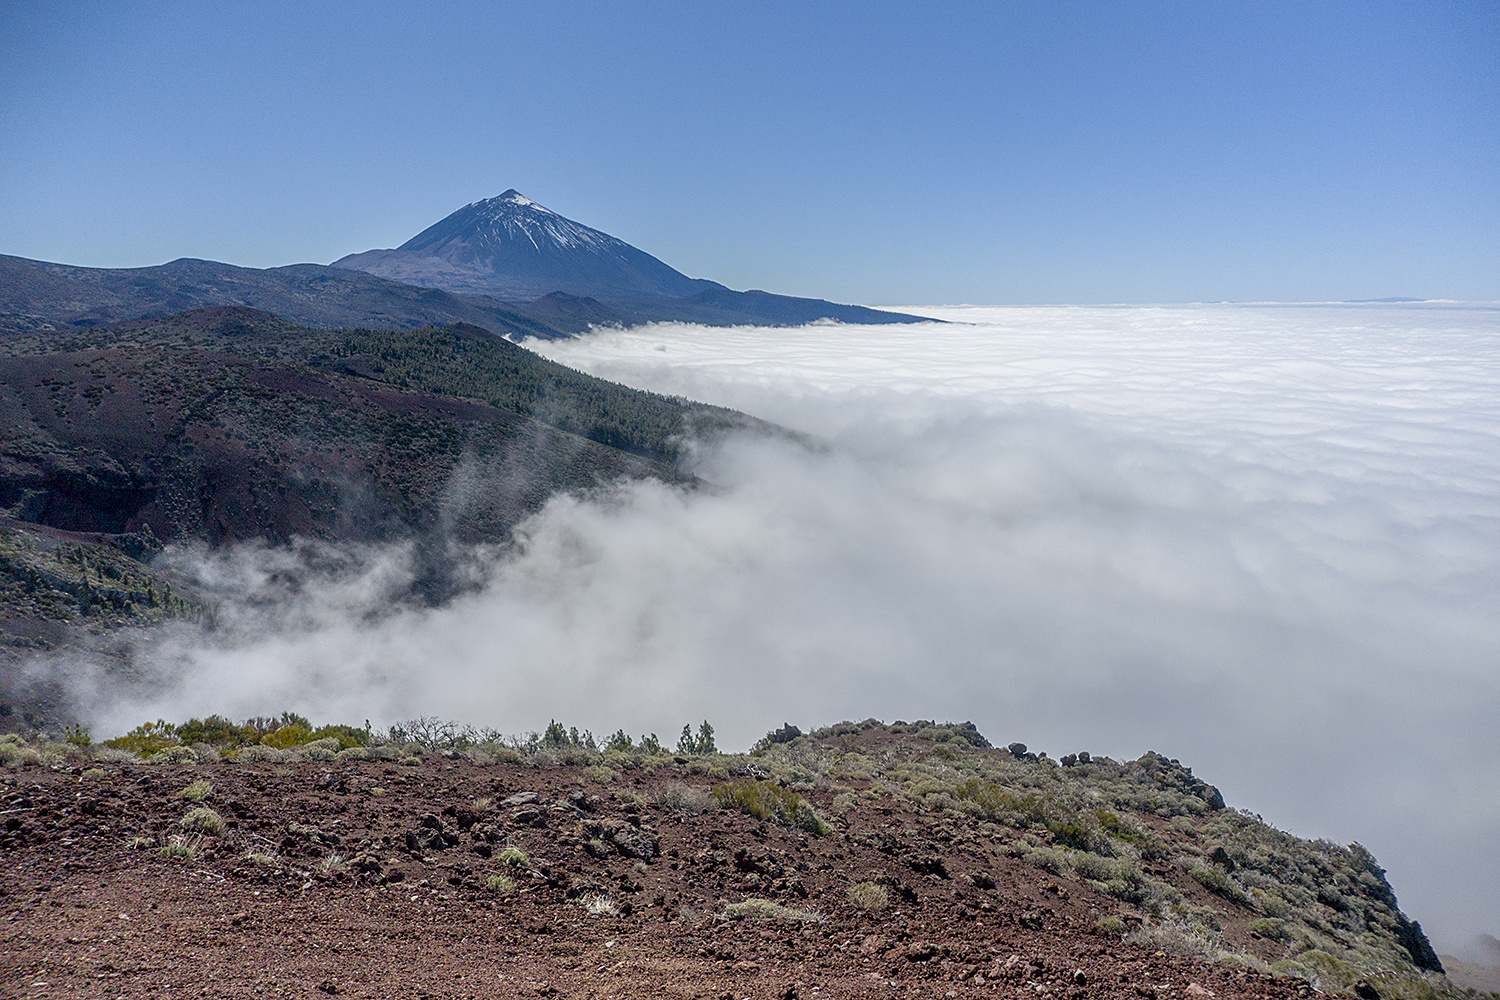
{"x": 1264, "y": 540}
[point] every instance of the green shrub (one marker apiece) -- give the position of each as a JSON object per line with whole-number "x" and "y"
{"x": 1100, "y": 869}
{"x": 179, "y": 848}
{"x": 147, "y": 739}
{"x": 1218, "y": 882}
{"x": 257, "y": 753}
{"x": 996, "y": 803}
{"x": 1058, "y": 862}
{"x": 19, "y": 756}
{"x": 1131, "y": 833}
{"x": 685, "y": 799}
{"x": 501, "y": 885}
{"x": 1070, "y": 833}
{"x": 348, "y": 736}
{"x": 1271, "y": 927}
{"x": 767, "y": 801}
{"x": 216, "y": 730}
{"x": 173, "y": 755}
{"x": 196, "y": 791}
{"x": 325, "y": 749}
{"x": 203, "y": 820}
{"x": 1271, "y": 903}
{"x": 1113, "y": 926}
{"x": 514, "y": 857}
{"x": 287, "y": 737}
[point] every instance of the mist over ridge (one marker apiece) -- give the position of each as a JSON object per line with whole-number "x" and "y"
{"x": 1268, "y": 535}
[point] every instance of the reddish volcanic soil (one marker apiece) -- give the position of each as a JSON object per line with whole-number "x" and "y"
{"x": 405, "y": 909}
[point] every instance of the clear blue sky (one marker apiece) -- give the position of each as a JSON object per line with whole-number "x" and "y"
{"x": 882, "y": 153}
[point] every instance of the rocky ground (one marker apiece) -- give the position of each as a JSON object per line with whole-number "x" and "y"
{"x": 442, "y": 877}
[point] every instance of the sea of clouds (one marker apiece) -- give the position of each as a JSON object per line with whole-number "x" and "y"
{"x": 1262, "y": 539}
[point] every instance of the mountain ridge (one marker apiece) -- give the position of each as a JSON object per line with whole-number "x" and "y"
{"x": 504, "y": 264}
{"x": 530, "y": 258}
{"x": 41, "y": 295}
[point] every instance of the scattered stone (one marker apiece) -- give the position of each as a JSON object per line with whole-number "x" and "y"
{"x": 521, "y": 799}
{"x": 921, "y": 951}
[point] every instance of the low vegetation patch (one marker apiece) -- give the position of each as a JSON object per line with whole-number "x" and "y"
{"x": 871, "y": 897}
{"x": 768, "y": 801}
{"x": 203, "y": 820}
{"x": 179, "y": 847}
{"x": 766, "y": 909}
{"x": 684, "y": 799}
{"x": 599, "y": 905}
{"x": 196, "y": 791}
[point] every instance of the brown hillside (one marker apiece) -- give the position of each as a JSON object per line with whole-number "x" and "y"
{"x": 550, "y": 868}
{"x": 204, "y": 444}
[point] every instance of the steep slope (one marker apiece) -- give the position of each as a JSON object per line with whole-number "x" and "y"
{"x": 512, "y": 248}
{"x": 227, "y": 424}
{"x": 36, "y": 295}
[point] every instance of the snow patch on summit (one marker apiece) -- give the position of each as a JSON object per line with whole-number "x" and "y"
{"x": 513, "y": 216}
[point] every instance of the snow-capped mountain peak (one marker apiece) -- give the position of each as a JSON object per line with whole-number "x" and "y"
{"x": 511, "y": 247}
{"x": 513, "y": 216}
{"x": 515, "y": 198}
